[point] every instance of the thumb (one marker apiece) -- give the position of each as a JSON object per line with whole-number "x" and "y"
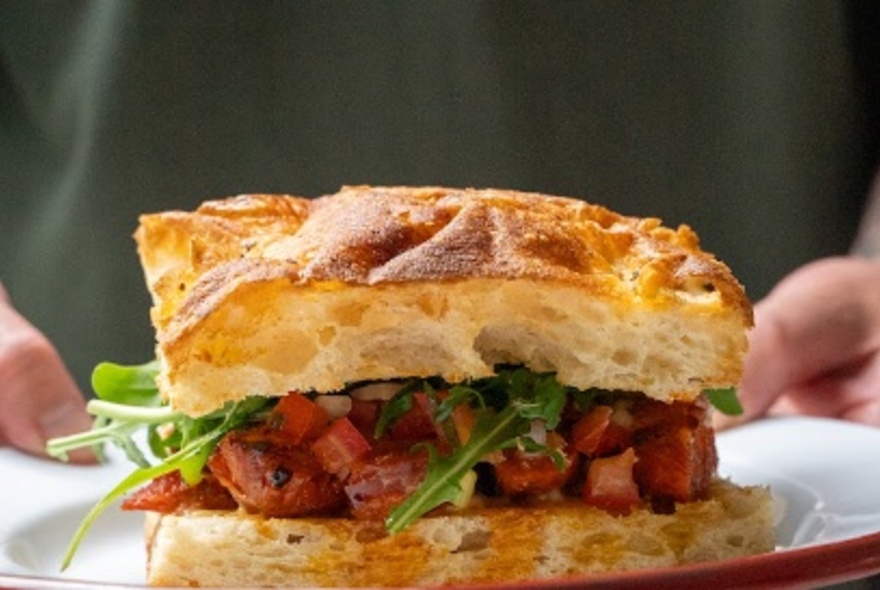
{"x": 38, "y": 397}
{"x": 823, "y": 317}
{"x": 31, "y": 433}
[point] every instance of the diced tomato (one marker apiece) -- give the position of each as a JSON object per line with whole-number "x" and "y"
{"x": 648, "y": 413}
{"x": 381, "y": 481}
{"x": 364, "y": 414}
{"x": 339, "y": 446}
{"x": 301, "y": 419}
{"x": 534, "y": 474}
{"x": 610, "y": 484}
{"x": 597, "y": 434}
{"x": 676, "y": 449}
{"x": 418, "y": 422}
{"x": 586, "y": 434}
{"x": 615, "y": 440}
{"x": 169, "y": 493}
{"x": 677, "y": 462}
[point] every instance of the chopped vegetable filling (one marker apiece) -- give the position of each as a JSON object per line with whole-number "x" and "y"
{"x": 395, "y": 451}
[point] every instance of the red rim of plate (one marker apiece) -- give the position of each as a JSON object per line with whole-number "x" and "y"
{"x": 803, "y": 567}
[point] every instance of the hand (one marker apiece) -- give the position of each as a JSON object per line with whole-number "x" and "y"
{"x": 38, "y": 397}
{"x": 815, "y": 349}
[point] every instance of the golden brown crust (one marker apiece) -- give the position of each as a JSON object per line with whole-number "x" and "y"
{"x": 476, "y": 546}
{"x": 205, "y": 267}
{"x": 177, "y": 248}
{"x": 371, "y": 235}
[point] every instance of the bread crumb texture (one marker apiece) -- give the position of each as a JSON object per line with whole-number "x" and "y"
{"x": 476, "y": 546}
{"x": 264, "y": 294}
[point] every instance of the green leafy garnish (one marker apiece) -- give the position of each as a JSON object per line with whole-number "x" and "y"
{"x": 397, "y": 406}
{"x": 128, "y": 400}
{"x": 529, "y": 445}
{"x": 505, "y": 405}
{"x": 458, "y": 394}
{"x": 442, "y": 483}
{"x": 509, "y": 402}
{"x": 724, "y": 400}
{"x": 130, "y": 385}
{"x": 537, "y": 396}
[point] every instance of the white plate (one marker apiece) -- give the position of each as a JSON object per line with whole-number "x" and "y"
{"x": 825, "y": 476}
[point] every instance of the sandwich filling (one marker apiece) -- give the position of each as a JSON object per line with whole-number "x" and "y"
{"x": 394, "y": 451}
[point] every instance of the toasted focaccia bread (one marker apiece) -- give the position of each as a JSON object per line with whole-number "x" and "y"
{"x": 476, "y": 546}
{"x": 264, "y": 294}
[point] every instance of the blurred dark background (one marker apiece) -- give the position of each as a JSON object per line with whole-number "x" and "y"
{"x": 754, "y": 122}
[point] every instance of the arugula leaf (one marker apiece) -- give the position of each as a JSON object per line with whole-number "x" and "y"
{"x": 120, "y": 389}
{"x": 397, "y": 406}
{"x": 530, "y": 445}
{"x": 131, "y": 385}
{"x": 128, "y": 401}
{"x": 724, "y": 400}
{"x": 491, "y": 432}
{"x": 458, "y": 394}
{"x": 508, "y": 402}
{"x": 543, "y": 399}
{"x": 188, "y": 460}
